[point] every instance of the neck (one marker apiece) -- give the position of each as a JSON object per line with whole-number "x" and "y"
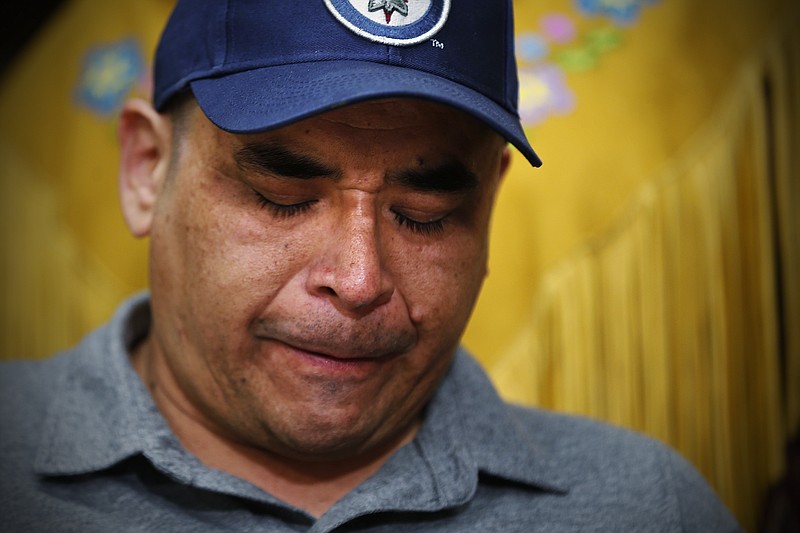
{"x": 312, "y": 485}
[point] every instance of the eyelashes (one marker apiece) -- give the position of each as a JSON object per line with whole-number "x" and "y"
{"x": 283, "y": 211}
{"x": 286, "y": 211}
{"x": 423, "y": 228}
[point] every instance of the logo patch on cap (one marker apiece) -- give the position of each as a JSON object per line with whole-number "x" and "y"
{"x": 395, "y": 22}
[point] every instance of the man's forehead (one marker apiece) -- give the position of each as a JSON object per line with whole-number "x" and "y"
{"x": 419, "y": 144}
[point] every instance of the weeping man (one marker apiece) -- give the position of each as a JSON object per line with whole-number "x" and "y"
{"x": 316, "y": 179}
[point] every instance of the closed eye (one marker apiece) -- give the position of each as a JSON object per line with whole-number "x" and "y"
{"x": 283, "y": 210}
{"x": 423, "y": 228}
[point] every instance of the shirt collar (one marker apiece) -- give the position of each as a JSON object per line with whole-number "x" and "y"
{"x": 468, "y": 432}
{"x": 486, "y": 432}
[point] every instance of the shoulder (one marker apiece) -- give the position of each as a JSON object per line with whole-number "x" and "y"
{"x": 585, "y": 474}
{"x": 28, "y": 391}
{"x": 579, "y": 438}
{"x": 603, "y": 464}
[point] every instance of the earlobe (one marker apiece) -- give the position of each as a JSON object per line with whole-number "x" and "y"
{"x": 145, "y": 142}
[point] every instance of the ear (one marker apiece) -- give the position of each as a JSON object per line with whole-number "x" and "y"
{"x": 505, "y": 162}
{"x": 145, "y": 140}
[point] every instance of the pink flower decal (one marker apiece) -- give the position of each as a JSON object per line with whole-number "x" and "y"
{"x": 558, "y": 28}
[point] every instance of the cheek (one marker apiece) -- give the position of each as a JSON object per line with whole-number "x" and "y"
{"x": 459, "y": 267}
{"x": 235, "y": 239}
{"x": 211, "y": 252}
{"x": 441, "y": 282}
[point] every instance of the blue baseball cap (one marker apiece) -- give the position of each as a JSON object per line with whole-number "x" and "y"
{"x": 256, "y": 65}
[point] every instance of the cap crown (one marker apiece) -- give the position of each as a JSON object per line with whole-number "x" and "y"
{"x": 210, "y": 38}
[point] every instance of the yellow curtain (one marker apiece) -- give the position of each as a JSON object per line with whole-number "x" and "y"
{"x": 668, "y": 322}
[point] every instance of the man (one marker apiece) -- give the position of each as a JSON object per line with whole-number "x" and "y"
{"x": 316, "y": 179}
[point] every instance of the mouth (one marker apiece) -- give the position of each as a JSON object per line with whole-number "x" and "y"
{"x": 339, "y": 350}
{"x": 336, "y": 353}
{"x": 330, "y": 360}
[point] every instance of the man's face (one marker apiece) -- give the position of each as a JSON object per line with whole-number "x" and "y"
{"x": 310, "y": 284}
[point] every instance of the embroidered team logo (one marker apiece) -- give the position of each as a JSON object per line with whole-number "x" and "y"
{"x": 395, "y": 22}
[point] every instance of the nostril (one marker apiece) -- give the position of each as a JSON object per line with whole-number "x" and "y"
{"x": 328, "y": 291}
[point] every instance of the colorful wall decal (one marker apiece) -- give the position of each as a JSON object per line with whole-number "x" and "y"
{"x": 543, "y": 92}
{"x": 560, "y": 44}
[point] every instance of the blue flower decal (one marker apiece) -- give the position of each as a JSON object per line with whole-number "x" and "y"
{"x": 531, "y": 47}
{"x": 620, "y": 11}
{"x": 108, "y": 74}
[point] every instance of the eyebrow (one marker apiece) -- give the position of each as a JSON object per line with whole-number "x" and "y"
{"x": 276, "y": 159}
{"x": 449, "y": 177}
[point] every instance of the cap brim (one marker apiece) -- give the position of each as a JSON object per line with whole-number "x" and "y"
{"x": 266, "y": 98}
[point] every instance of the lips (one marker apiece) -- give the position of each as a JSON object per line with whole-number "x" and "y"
{"x": 316, "y": 363}
{"x": 339, "y": 359}
{"x": 336, "y": 353}
{"x": 339, "y": 343}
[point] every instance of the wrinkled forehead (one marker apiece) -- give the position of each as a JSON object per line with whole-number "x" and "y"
{"x": 373, "y": 138}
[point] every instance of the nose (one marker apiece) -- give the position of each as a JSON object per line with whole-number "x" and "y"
{"x": 350, "y": 269}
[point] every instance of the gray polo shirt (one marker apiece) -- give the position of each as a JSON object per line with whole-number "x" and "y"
{"x": 84, "y": 449}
